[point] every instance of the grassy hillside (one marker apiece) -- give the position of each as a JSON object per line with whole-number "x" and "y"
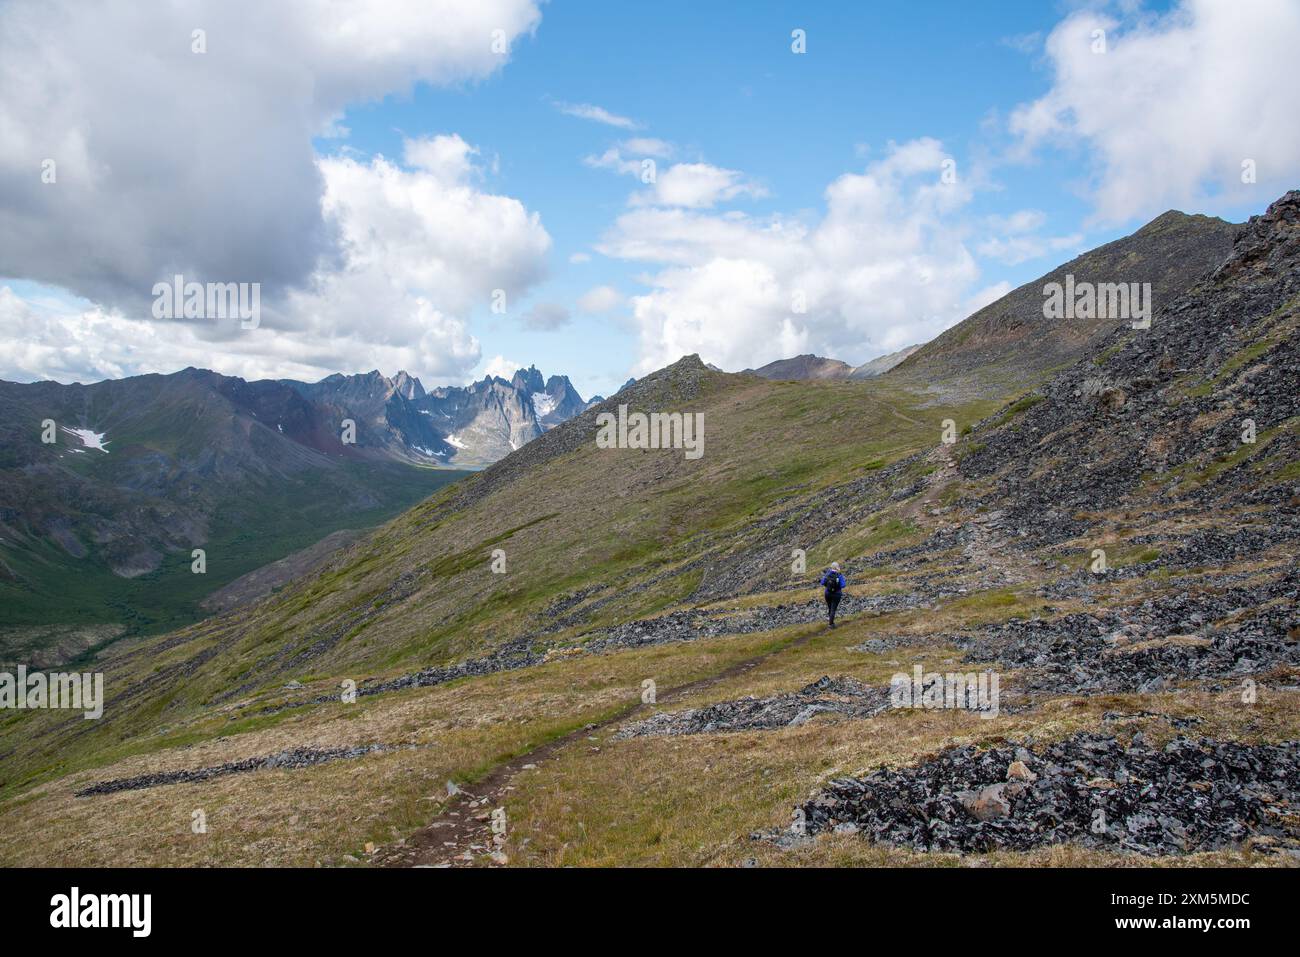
{"x": 264, "y": 523}
{"x": 610, "y": 535}
{"x": 629, "y": 570}
{"x": 95, "y": 543}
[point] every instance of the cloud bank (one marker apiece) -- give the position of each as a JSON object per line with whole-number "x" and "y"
{"x": 181, "y": 137}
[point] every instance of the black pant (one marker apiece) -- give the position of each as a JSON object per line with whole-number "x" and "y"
{"x": 832, "y": 602}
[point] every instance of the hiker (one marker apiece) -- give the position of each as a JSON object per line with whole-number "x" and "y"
{"x": 833, "y": 582}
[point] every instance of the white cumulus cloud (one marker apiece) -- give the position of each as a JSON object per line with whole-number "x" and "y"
{"x": 1175, "y": 105}
{"x": 173, "y": 161}
{"x": 886, "y": 266}
{"x": 698, "y": 185}
{"x": 600, "y": 299}
{"x": 502, "y": 368}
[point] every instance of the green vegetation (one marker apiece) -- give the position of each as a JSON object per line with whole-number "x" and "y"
{"x": 1266, "y": 335}
{"x": 418, "y": 591}
{"x": 249, "y": 531}
{"x": 1109, "y": 353}
{"x": 1020, "y": 405}
{"x": 593, "y": 539}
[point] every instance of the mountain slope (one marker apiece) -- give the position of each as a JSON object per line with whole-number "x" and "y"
{"x": 102, "y": 533}
{"x": 626, "y": 566}
{"x": 1198, "y": 412}
{"x": 1010, "y": 341}
{"x": 646, "y": 526}
{"x": 882, "y": 364}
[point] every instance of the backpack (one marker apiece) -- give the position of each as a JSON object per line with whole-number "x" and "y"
{"x": 832, "y": 580}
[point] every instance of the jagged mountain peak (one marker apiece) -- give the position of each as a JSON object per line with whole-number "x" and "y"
{"x": 407, "y": 385}
{"x": 529, "y": 380}
{"x": 555, "y": 400}
{"x": 686, "y": 363}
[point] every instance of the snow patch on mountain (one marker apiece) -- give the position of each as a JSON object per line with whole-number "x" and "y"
{"x": 90, "y": 439}
{"x": 543, "y": 404}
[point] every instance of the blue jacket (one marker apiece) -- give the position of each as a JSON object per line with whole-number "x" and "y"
{"x": 829, "y": 577}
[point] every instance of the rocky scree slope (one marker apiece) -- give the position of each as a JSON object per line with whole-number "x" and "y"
{"x": 1002, "y": 343}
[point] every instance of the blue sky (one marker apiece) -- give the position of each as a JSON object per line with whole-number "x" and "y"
{"x": 722, "y": 81}
{"x": 823, "y": 167}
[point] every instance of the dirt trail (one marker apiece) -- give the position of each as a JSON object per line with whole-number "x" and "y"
{"x": 902, "y": 415}
{"x": 461, "y": 835}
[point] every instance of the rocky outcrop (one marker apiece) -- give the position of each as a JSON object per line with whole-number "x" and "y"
{"x": 1161, "y": 415}
{"x": 842, "y": 696}
{"x": 289, "y": 759}
{"x": 1090, "y": 789}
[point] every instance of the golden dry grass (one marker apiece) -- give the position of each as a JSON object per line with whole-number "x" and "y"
{"x": 326, "y": 814}
{"x": 692, "y": 801}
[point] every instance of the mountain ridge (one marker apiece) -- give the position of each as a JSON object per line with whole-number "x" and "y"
{"x": 1171, "y": 252}
{"x": 969, "y": 530}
